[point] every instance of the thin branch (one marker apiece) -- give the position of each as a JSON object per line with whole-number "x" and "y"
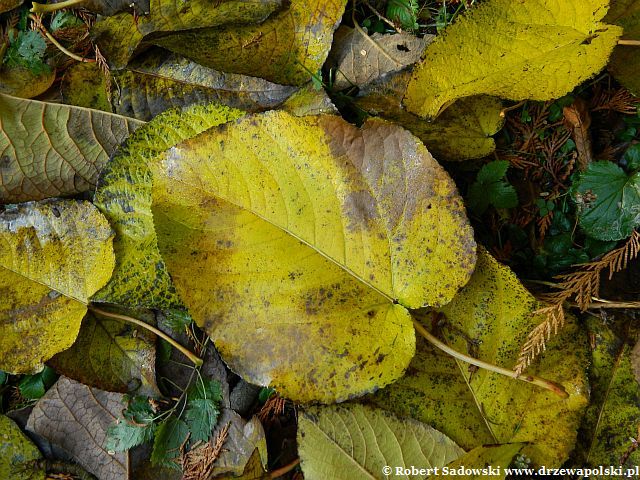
{"x": 541, "y": 382}
{"x": 197, "y": 361}
{"x": 633, "y": 43}
{"x": 382, "y": 17}
{"x": 284, "y": 470}
{"x": 371, "y": 40}
{"x": 54, "y": 7}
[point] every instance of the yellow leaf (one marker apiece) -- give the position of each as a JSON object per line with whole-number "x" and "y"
{"x": 530, "y": 49}
{"x": 18, "y": 456}
{"x": 299, "y": 243}
{"x": 490, "y": 319}
{"x": 54, "y": 256}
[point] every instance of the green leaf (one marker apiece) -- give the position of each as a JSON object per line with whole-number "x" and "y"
{"x": 608, "y": 201}
{"x": 611, "y": 419}
{"x": 123, "y": 436}
{"x": 632, "y": 157}
{"x": 160, "y": 81}
{"x": 55, "y": 256}
{"x": 49, "y": 150}
{"x": 33, "y": 387}
{"x": 111, "y": 355}
{"x": 18, "y": 456}
{"x": 296, "y": 42}
{"x": 201, "y": 416}
{"x": 4, "y": 376}
{"x": 139, "y": 410}
{"x": 64, "y": 20}
{"x": 490, "y": 319}
{"x": 140, "y": 279}
{"x": 170, "y": 435}
{"x": 84, "y": 85}
{"x": 625, "y": 63}
{"x": 27, "y": 49}
{"x": 205, "y": 388}
{"x": 495, "y": 457}
{"x": 121, "y": 35}
{"x": 353, "y": 441}
{"x": 543, "y": 49}
{"x": 490, "y": 188}
{"x": 462, "y": 132}
{"x": 404, "y": 13}
{"x": 313, "y": 237}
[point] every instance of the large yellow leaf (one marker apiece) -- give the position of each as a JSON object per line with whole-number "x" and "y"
{"x": 287, "y": 48}
{"x": 299, "y": 243}
{"x": 54, "y": 256}
{"x": 490, "y": 318}
{"x": 529, "y": 49}
{"x": 49, "y": 150}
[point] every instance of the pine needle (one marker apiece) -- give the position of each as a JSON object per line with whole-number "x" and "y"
{"x": 197, "y": 464}
{"x": 583, "y": 285}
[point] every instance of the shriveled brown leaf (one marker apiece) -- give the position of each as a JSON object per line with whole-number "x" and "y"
{"x": 76, "y": 417}
{"x": 358, "y": 60}
{"x": 578, "y": 120}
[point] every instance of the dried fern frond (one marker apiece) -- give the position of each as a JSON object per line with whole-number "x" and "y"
{"x": 619, "y": 100}
{"x": 583, "y": 285}
{"x": 537, "y": 339}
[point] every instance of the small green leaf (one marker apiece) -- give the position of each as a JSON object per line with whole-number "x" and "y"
{"x": 608, "y": 201}
{"x": 404, "y": 13}
{"x": 632, "y": 157}
{"x": 493, "y": 171}
{"x": 201, "y": 416}
{"x": 123, "y": 436}
{"x": 205, "y": 388}
{"x": 35, "y": 386}
{"x": 140, "y": 411}
{"x": 170, "y": 435}
{"x": 27, "y": 49}
{"x": 3, "y": 377}
{"x": 64, "y": 20}
{"x": 490, "y": 188}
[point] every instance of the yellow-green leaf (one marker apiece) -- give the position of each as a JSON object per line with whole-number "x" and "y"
{"x": 462, "y": 132}
{"x": 530, "y": 49}
{"x": 111, "y": 355}
{"x": 120, "y": 36}
{"x": 355, "y": 442}
{"x": 18, "y": 456}
{"x": 140, "y": 279}
{"x": 287, "y": 48}
{"x": 625, "y": 61}
{"x": 159, "y": 82}
{"x": 490, "y": 319}
{"x": 611, "y": 419}
{"x": 49, "y": 150}
{"x": 54, "y": 256}
{"x": 312, "y": 230}
{"x": 21, "y": 82}
{"x": 84, "y": 85}
{"x": 485, "y": 463}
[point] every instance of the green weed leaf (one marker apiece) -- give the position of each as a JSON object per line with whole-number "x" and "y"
{"x": 170, "y": 435}
{"x": 491, "y": 188}
{"x": 201, "y": 416}
{"x": 122, "y": 436}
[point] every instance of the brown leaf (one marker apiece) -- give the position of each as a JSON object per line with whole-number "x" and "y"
{"x": 577, "y": 120}
{"x": 359, "y": 60}
{"x": 76, "y": 417}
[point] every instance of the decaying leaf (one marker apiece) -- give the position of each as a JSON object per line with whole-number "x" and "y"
{"x": 498, "y": 457}
{"x": 21, "y": 82}
{"x": 353, "y": 441}
{"x": 462, "y": 132}
{"x": 287, "y": 48}
{"x": 111, "y": 7}
{"x": 18, "y": 456}
{"x": 578, "y": 120}
{"x": 544, "y": 49}
{"x": 49, "y": 150}
{"x": 120, "y": 36}
{"x": 84, "y": 85}
{"x": 612, "y": 419}
{"x": 55, "y": 256}
{"x": 6, "y": 5}
{"x": 490, "y": 318}
{"x": 309, "y": 101}
{"x": 123, "y": 195}
{"x": 159, "y": 82}
{"x": 313, "y": 230}
{"x": 111, "y": 355}
{"x": 358, "y": 61}
{"x": 625, "y": 61}
{"x": 76, "y": 417}
{"x": 254, "y": 470}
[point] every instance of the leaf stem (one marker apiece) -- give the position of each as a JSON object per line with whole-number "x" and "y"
{"x": 634, "y": 43}
{"x": 54, "y": 7}
{"x": 58, "y": 45}
{"x": 284, "y": 470}
{"x": 197, "y": 361}
{"x": 541, "y": 382}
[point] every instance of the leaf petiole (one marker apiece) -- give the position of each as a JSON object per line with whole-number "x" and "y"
{"x": 54, "y": 7}
{"x": 197, "y": 361}
{"x": 541, "y": 382}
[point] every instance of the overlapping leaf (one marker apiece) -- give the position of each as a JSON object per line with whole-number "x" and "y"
{"x": 309, "y": 229}
{"x": 491, "y": 318}
{"x": 160, "y": 82}
{"x": 55, "y": 255}
{"x": 120, "y": 36}
{"x": 532, "y": 49}
{"x": 18, "y": 456}
{"x": 124, "y": 197}
{"x": 625, "y": 61}
{"x": 49, "y": 150}
{"x": 462, "y": 132}
{"x": 287, "y": 48}
{"x": 352, "y": 441}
